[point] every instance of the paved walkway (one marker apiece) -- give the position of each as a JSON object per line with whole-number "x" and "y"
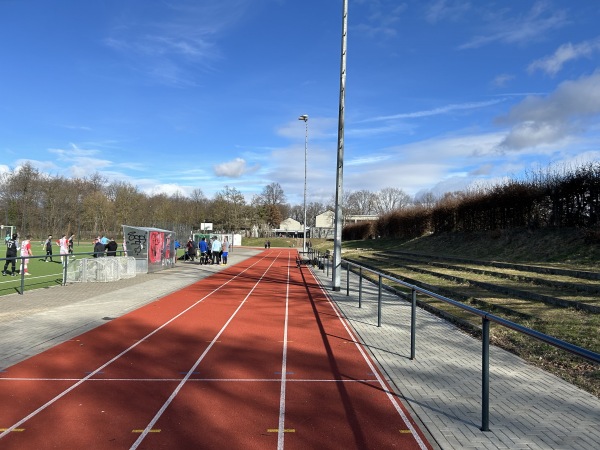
{"x": 530, "y": 409}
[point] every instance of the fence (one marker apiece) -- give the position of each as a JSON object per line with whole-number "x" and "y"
{"x": 323, "y": 263}
{"x": 87, "y": 269}
{"x": 101, "y": 269}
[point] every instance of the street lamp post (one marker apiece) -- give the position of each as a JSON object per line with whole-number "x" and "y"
{"x": 305, "y": 118}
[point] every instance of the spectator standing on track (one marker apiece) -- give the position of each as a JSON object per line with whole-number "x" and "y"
{"x": 63, "y": 244}
{"x": 25, "y": 253}
{"x": 225, "y": 250}
{"x": 104, "y": 240}
{"x": 48, "y": 247}
{"x": 111, "y": 247}
{"x": 216, "y": 251}
{"x": 11, "y": 255}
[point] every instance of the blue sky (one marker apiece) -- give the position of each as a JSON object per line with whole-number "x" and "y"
{"x": 180, "y": 95}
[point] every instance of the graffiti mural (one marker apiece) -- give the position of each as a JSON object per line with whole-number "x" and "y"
{"x": 152, "y": 245}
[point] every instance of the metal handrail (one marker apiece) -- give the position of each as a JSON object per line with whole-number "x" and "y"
{"x": 485, "y": 317}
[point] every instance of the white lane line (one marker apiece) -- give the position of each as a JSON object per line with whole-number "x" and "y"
{"x": 202, "y": 380}
{"x": 99, "y": 369}
{"x": 383, "y": 385}
{"x": 281, "y": 427}
{"x": 160, "y": 412}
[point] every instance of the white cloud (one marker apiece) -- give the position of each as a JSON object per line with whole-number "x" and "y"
{"x": 80, "y": 162}
{"x": 541, "y": 120}
{"x": 502, "y": 80}
{"x": 382, "y": 19}
{"x": 446, "y": 10}
{"x": 370, "y": 159}
{"x": 184, "y": 39}
{"x": 541, "y": 19}
{"x": 232, "y": 169}
{"x": 436, "y": 111}
{"x": 563, "y": 54}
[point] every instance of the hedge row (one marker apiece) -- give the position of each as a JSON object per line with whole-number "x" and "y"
{"x": 567, "y": 199}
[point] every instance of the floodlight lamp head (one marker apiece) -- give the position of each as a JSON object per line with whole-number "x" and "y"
{"x": 303, "y": 117}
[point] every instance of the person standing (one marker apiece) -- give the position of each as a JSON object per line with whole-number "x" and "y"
{"x": 71, "y": 243}
{"x": 190, "y": 249}
{"x": 225, "y": 250}
{"x": 111, "y": 247}
{"x": 11, "y": 255}
{"x": 48, "y": 246}
{"x": 216, "y": 251}
{"x": 98, "y": 248}
{"x": 63, "y": 244}
{"x": 203, "y": 251}
{"x": 25, "y": 253}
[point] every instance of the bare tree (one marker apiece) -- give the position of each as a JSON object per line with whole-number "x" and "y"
{"x": 362, "y": 202}
{"x": 297, "y": 213}
{"x": 273, "y": 194}
{"x": 391, "y": 199}
{"x": 426, "y": 199}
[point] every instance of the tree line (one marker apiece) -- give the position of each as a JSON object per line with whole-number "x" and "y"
{"x": 559, "y": 198}
{"x": 40, "y": 204}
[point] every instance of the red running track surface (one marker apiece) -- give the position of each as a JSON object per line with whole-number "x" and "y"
{"x": 253, "y": 357}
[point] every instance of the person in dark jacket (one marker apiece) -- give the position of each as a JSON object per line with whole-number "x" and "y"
{"x": 98, "y": 248}
{"x": 11, "y": 254}
{"x": 48, "y": 247}
{"x": 190, "y": 250}
{"x": 111, "y": 247}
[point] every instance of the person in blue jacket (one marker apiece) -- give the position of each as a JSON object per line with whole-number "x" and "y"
{"x": 203, "y": 251}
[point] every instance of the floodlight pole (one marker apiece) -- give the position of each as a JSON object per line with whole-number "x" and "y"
{"x": 305, "y": 118}
{"x": 337, "y": 239}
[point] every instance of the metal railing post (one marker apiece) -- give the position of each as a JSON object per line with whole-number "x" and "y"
{"x": 379, "y": 304}
{"x": 413, "y": 323}
{"x": 485, "y": 375}
{"x": 360, "y": 287}
{"x": 22, "y": 273}
{"x": 347, "y": 279}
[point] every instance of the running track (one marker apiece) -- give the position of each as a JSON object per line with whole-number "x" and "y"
{"x": 252, "y": 357}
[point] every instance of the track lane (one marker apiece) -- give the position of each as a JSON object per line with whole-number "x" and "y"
{"x": 153, "y": 319}
{"x": 281, "y": 371}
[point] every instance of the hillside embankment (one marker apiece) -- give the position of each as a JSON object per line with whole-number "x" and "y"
{"x": 548, "y": 280}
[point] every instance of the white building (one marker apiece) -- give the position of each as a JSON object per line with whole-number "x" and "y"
{"x": 325, "y": 223}
{"x": 290, "y": 227}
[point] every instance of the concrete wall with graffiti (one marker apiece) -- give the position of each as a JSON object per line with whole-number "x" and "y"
{"x": 153, "y": 245}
